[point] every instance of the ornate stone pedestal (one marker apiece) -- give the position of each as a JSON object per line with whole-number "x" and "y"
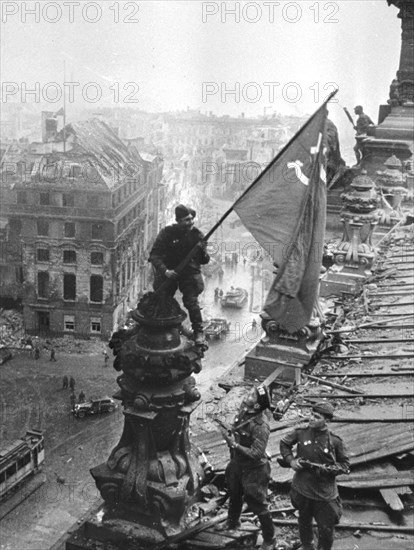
{"x": 354, "y": 255}
{"x": 282, "y": 353}
{"x": 153, "y": 475}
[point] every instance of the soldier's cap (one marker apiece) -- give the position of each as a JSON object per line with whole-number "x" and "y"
{"x": 325, "y": 408}
{"x": 358, "y": 108}
{"x": 182, "y": 211}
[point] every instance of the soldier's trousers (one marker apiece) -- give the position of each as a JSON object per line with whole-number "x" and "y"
{"x": 326, "y": 513}
{"x": 191, "y": 285}
{"x": 250, "y": 484}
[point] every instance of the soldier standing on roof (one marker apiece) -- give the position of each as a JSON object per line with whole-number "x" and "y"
{"x": 314, "y": 491}
{"x": 171, "y": 246}
{"x": 248, "y": 472}
{"x": 362, "y": 124}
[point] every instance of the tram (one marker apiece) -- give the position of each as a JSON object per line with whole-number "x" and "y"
{"x": 20, "y": 459}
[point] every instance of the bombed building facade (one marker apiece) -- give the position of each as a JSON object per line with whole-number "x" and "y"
{"x": 78, "y": 213}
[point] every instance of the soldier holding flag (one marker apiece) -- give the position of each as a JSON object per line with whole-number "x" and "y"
{"x": 171, "y": 248}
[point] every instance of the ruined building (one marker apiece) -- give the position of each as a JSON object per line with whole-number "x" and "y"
{"x": 78, "y": 213}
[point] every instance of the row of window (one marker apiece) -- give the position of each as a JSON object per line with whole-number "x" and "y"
{"x": 69, "y": 230}
{"x": 93, "y": 200}
{"x": 69, "y": 286}
{"x": 69, "y": 256}
{"x": 125, "y": 191}
{"x": 130, "y": 216}
{"x": 95, "y": 324}
{"x": 65, "y": 199}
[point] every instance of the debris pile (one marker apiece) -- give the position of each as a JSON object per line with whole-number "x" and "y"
{"x": 12, "y": 336}
{"x": 11, "y": 328}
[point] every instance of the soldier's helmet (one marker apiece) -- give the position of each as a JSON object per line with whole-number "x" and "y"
{"x": 258, "y": 399}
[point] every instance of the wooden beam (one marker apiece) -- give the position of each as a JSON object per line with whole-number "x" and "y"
{"x": 372, "y": 374}
{"x": 334, "y": 385}
{"x": 378, "y": 340}
{"x": 375, "y": 356}
{"x": 355, "y": 526}
{"x": 364, "y": 395}
{"x": 373, "y": 323}
{"x": 362, "y": 420}
{"x": 375, "y": 480}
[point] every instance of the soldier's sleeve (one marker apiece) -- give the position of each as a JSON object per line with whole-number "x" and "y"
{"x": 260, "y": 437}
{"x": 341, "y": 453}
{"x": 286, "y": 445}
{"x": 158, "y": 251}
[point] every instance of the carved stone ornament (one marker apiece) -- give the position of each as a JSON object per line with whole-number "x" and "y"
{"x": 392, "y": 191}
{"x": 154, "y": 474}
{"x": 359, "y": 218}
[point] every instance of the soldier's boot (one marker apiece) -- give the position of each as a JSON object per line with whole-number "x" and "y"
{"x": 229, "y": 525}
{"x": 306, "y": 535}
{"x": 198, "y": 333}
{"x": 198, "y": 336}
{"x": 326, "y": 538}
{"x": 268, "y": 531}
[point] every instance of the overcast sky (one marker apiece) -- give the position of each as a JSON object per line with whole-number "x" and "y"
{"x": 165, "y": 54}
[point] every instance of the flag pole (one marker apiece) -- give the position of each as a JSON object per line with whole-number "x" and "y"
{"x": 268, "y": 167}
{"x": 185, "y": 261}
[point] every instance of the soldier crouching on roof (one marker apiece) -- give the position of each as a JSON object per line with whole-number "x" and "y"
{"x": 248, "y": 472}
{"x": 171, "y": 246}
{"x": 320, "y": 457}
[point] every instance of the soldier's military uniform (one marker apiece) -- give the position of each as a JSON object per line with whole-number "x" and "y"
{"x": 314, "y": 492}
{"x": 362, "y": 124}
{"x": 171, "y": 246}
{"x": 248, "y": 472}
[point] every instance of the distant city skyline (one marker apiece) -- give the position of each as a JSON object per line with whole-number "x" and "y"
{"x": 228, "y": 58}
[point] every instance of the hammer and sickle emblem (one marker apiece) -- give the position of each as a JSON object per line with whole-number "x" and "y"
{"x": 297, "y": 167}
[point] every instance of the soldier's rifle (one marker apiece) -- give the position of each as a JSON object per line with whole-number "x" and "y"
{"x": 335, "y": 469}
{"x": 223, "y": 425}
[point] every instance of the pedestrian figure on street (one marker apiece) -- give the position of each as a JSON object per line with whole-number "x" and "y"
{"x": 221, "y": 275}
{"x": 72, "y": 383}
{"x": 221, "y": 293}
{"x": 72, "y": 401}
{"x": 244, "y": 261}
{"x": 172, "y": 245}
{"x": 37, "y": 353}
{"x": 82, "y": 397}
{"x": 248, "y": 472}
{"x": 65, "y": 383}
{"x": 320, "y": 457}
{"x": 106, "y": 357}
{"x": 216, "y": 293}
{"x": 254, "y": 323}
{"x": 52, "y": 355}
